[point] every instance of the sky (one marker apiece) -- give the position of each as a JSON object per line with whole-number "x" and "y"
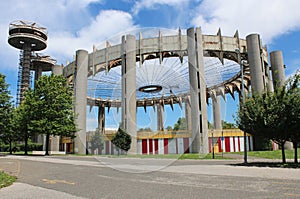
{"x": 80, "y": 24}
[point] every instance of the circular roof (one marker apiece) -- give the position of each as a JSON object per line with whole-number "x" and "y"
{"x": 171, "y": 77}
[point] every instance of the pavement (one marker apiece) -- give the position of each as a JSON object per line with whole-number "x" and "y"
{"x": 11, "y": 165}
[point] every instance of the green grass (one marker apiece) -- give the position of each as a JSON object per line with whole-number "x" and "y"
{"x": 271, "y": 154}
{"x": 6, "y": 180}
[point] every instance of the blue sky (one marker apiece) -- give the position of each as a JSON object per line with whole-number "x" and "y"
{"x": 80, "y": 24}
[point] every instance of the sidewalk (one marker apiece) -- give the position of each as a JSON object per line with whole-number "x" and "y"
{"x": 137, "y": 165}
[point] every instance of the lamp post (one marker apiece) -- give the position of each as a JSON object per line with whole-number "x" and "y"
{"x": 241, "y": 63}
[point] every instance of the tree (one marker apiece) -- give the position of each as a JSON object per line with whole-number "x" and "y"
{"x": 122, "y": 140}
{"x": 23, "y": 118}
{"x": 293, "y": 110}
{"x": 97, "y": 141}
{"x": 228, "y": 125}
{"x": 6, "y": 114}
{"x": 147, "y": 129}
{"x": 273, "y": 115}
{"x": 51, "y": 108}
{"x": 169, "y": 128}
{"x": 180, "y": 124}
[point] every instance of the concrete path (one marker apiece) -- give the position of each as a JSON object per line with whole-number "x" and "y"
{"x": 11, "y": 164}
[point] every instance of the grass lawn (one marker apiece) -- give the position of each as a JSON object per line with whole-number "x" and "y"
{"x": 289, "y": 154}
{"x": 6, "y": 180}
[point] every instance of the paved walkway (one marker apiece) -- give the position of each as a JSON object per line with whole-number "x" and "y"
{"x": 11, "y": 164}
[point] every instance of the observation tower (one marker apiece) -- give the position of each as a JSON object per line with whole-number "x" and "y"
{"x": 28, "y": 37}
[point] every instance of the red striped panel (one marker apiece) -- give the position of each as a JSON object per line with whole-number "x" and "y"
{"x": 220, "y": 144}
{"x": 166, "y": 145}
{"x": 233, "y": 144}
{"x": 186, "y": 145}
{"x": 156, "y": 146}
{"x": 227, "y": 144}
{"x": 150, "y": 146}
{"x": 144, "y": 146}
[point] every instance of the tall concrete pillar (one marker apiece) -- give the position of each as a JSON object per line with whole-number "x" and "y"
{"x": 197, "y": 91}
{"x": 129, "y": 89}
{"x": 202, "y": 95}
{"x": 255, "y": 63}
{"x": 188, "y": 117}
{"x": 217, "y": 113}
{"x": 278, "y": 76}
{"x": 37, "y": 73}
{"x": 277, "y": 68}
{"x": 160, "y": 117}
{"x": 80, "y": 92}
{"x": 101, "y": 118}
{"x": 57, "y": 69}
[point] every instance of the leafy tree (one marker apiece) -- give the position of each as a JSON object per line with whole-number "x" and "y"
{"x": 122, "y": 140}
{"x": 97, "y": 141}
{"x": 273, "y": 115}
{"x": 6, "y": 114}
{"x": 169, "y": 128}
{"x": 228, "y": 125}
{"x": 180, "y": 124}
{"x": 293, "y": 111}
{"x": 51, "y": 108}
{"x": 147, "y": 129}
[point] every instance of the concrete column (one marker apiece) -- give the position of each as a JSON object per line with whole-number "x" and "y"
{"x": 217, "y": 113}
{"x": 80, "y": 92}
{"x": 37, "y": 73}
{"x": 57, "y": 69}
{"x": 188, "y": 117}
{"x": 194, "y": 90}
{"x": 129, "y": 89}
{"x": 197, "y": 91}
{"x": 160, "y": 117}
{"x": 255, "y": 63}
{"x": 277, "y": 68}
{"x": 278, "y": 76}
{"x": 25, "y": 79}
{"x": 101, "y": 118}
{"x": 202, "y": 95}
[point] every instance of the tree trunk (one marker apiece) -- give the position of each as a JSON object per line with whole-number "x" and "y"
{"x": 10, "y": 149}
{"x": 99, "y": 150}
{"x": 47, "y": 144}
{"x": 26, "y": 145}
{"x": 283, "y": 153}
{"x": 295, "y": 143}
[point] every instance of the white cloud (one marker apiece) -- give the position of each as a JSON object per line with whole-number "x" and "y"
{"x": 152, "y": 4}
{"x": 69, "y": 23}
{"x": 106, "y": 24}
{"x": 270, "y": 18}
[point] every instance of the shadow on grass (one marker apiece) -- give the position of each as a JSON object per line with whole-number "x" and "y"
{"x": 269, "y": 164}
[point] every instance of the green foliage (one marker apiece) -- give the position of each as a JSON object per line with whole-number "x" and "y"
{"x": 7, "y": 133}
{"x": 180, "y": 124}
{"x": 147, "y": 129}
{"x": 169, "y": 128}
{"x": 6, "y": 180}
{"x": 122, "y": 140}
{"x": 47, "y": 110}
{"x": 228, "y": 125}
{"x": 97, "y": 141}
{"x": 21, "y": 147}
{"x": 273, "y": 115}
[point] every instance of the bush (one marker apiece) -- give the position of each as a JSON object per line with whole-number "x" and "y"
{"x": 21, "y": 147}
